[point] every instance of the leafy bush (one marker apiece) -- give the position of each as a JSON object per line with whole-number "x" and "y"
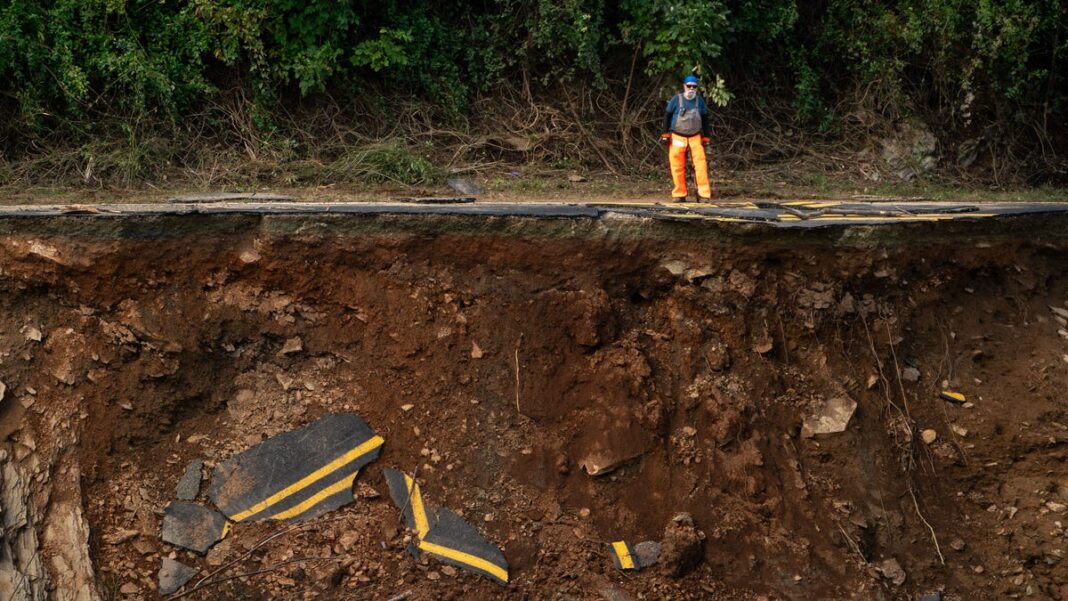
{"x": 68, "y": 66}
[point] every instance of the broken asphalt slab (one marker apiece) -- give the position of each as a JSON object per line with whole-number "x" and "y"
{"x": 193, "y": 526}
{"x": 798, "y": 214}
{"x": 454, "y": 541}
{"x": 406, "y": 496}
{"x": 189, "y": 484}
{"x": 173, "y": 575}
{"x": 444, "y": 534}
{"x": 296, "y": 475}
{"x": 634, "y": 557}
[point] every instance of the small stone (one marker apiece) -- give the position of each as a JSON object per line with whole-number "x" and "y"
{"x": 833, "y": 417}
{"x": 960, "y": 430}
{"x": 978, "y": 569}
{"x": 476, "y": 351}
{"x": 910, "y": 374}
{"x": 892, "y": 571}
{"x": 407, "y": 407}
{"x": 32, "y": 333}
{"x": 872, "y": 381}
{"x": 488, "y": 517}
{"x": 448, "y": 570}
{"x": 249, "y": 256}
{"x": 575, "y": 178}
{"x": 292, "y": 345}
{"x": 1055, "y": 507}
{"x": 121, "y": 536}
{"x": 689, "y": 431}
{"x": 432, "y": 576}
{"x": 929, "y": 436}
{"x": 956, "y": 544}
{"x": 584, "y": 512}
{"x": 129, "y": 589}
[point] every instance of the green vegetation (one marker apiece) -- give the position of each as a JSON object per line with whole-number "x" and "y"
{"x": 118, "y": 91}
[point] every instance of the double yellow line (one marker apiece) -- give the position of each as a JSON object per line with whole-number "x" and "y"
{"x": 421, "y": 520}
{"x": 364, "y": 448}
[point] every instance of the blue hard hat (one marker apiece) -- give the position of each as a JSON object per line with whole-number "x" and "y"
{"x": 691, "y": 78}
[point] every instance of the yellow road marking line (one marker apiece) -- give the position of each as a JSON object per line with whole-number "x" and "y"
{"x": 354, "y": 454}
{"x": 465, "y": 558}
{"x": 625, "y": 560}
{"x": 422, "y": 525}
{"x": 311, "y": 501}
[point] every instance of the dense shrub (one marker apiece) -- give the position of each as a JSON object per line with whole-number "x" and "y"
{"x": 970, "y": 65}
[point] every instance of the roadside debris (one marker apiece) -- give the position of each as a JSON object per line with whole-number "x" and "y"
{"x": 192, "y": 526}
{"x": 298, "y": 474}
{"x": 929, "y": 436}
{"x": 952, "y": 397}
{"x": 189, "y": 484}
{"x": 636, "y": 557}
{"x": 173, "y": 575}
{"x": 444, "y": 534}
{"x": 831, "y": 418}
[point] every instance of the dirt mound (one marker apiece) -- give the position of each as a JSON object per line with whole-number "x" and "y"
{"x": 506, "y": 366}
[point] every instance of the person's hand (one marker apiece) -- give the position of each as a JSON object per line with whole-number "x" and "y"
{"x": 665, "y": 138}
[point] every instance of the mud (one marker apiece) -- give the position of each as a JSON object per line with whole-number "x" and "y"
{"x": 501, "y": 359}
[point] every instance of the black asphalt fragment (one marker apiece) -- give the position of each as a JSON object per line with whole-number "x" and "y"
{"x": 296, "y": 475}
{"x": 444, "y": 534}
{"x": 404, "y": 491}
{"x": 634, "y": 557}
{"x": 173, "y": 575}
{"x": 454, "y": 541}
{"x": 193, "y": 526}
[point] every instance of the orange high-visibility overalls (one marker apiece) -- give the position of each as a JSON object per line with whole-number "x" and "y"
{"x": 677, "y": 159}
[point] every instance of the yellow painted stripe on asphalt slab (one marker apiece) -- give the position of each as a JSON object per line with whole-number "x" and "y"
{"x": 422, "y": 524}
{"x": 625, "y": 560}
{"x": 313, "y": 500}
{"x": 366, "y": 447}
{"x": 467, "y": 559}
{"x": 812, "y": 204}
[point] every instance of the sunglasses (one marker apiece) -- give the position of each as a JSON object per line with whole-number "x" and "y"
{"x": 691, "y": 85}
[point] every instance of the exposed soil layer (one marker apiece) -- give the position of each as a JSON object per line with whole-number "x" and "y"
{"x": 505, "y": 359}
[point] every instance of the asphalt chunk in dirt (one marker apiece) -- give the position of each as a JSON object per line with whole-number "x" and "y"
{"x": 192, "y": 526}
{"x": 189, "y": 484}
{"x": 634, "y": 557}
{"x": 173, "y": 575}
{"x": 406, "y": 496}
{"x": 456, "y": 542}
{"x": 296, "y": 475}
{"x": 444, "y": 534}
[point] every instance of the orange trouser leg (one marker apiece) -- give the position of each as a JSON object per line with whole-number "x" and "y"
{"x": 700, "y": 167}
{"x": 677, "y": 159}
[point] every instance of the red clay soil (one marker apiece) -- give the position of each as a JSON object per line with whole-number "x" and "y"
{"x": 692, "y": 364}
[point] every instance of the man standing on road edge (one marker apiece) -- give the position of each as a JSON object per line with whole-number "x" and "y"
{"x": 686, "y": 128}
